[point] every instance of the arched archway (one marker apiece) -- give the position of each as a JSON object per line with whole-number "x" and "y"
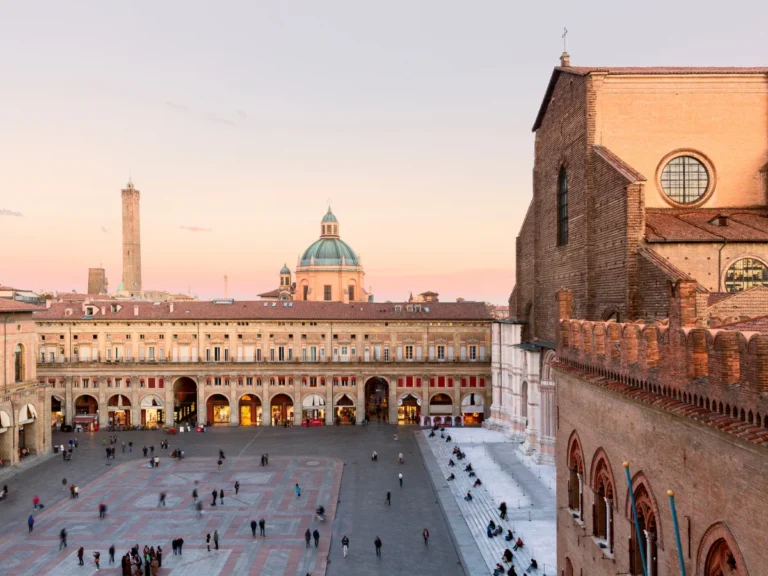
{"x": 648, "y": 537}
{"x": 440, "y": 406}
{"x": 57, "y": 411}
{"x": 719, "y": 553}
{"x": 87, "y": 412}
{"x": 568, "y": 567}
{"x": 152, "y": 411}
{"x": 217, "y": 410}
{"x": 377, "y": 399}
{"x": 344, "y": 411}
{"x": 119, "y": 408}
{"x": 28, "y": 427}
{"x": 185, "y": 401}
{"x": 281, "y": 408}
{"x": 313, "y": 409}
{"x": 250, "y": 410}
{"x": 6, "y": 439}
{"x": 472, "y": 407}
{"x": 576, "y": 477}
{"x": 604, "y": 490}
{"x": 408, "y": 409}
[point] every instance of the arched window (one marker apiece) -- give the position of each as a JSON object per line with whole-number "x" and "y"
{"x": 19, "y": 363}
{"x": 604, "y": 490}
{"x": 562, "y": 207}
{"x": 744, "y": 274}
{"x": 575, "y": 478}
{"x": 524, "y": 401}
{"x": 647, "y": 521}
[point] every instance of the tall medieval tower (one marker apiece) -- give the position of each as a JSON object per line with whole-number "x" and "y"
{"x": 131, "y": 241}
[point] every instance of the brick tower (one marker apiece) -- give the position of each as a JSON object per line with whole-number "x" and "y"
{"x": 97, "y": 281}
{"x": 131, "y": 241}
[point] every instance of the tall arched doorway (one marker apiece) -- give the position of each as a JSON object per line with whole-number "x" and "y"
{"x": 250, "y": 410}
{"x": 524, "y": 402}
{"x": 57, "y": 411}
{"x": 472, "y": 407}
{"x": 152, "y": 411}
{"x": 185, "y": 401}
{"x": 646, "y": 519}
{"x": 6, "y": 439}
{"x": 27, "y": 421}
{"x": 313, "y": 409}
{"x": 119, "y": 407}
{"x": 344, "y": 411}
{"x": 217, "y": 410}
{"x": 282, "y": 410}
{"x": 377, "y": 399}
{"x": 441, "y": 409}
{"x": 409, "y": 409}
{"x": 87, "y": 412}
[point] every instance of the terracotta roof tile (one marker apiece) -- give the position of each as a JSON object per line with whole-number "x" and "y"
{"x": 16, "y": 306}
{"x": 261, "y": 310}
{"x": 693, "y": 225}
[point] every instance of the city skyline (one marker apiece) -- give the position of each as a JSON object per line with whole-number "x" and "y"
{"x": 406, "y": 118}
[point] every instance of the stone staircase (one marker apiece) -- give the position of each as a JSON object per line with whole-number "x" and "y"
{"x": 480, "y": 511}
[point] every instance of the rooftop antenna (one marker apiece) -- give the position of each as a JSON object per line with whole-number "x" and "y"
{"x": 565, "y": 39}
{"x": 226, "y": 290}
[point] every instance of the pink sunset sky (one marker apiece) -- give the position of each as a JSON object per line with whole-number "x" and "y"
{"x": 239, "y": 121}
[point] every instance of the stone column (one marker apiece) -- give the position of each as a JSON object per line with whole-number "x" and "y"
{"x": 168, "y": 400}
{"x": 201, "y": 409}
{"x": 297, "y": 394}
{"x": 101, "y": 396}
{"x": 234, "y": 405}
{"x": 329, "y": 399}
{"x": 133, "y": 394}
{"x": 266, "y": 403}
{"x": 69, "y": 403}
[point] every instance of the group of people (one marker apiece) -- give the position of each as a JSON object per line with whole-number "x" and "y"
{"x": 265, "y": 459}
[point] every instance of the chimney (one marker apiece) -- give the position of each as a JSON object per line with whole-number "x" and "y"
{"x": 171, "y": 306}
{"x": 565, "y": 60}
{"x": 103, "y": 310}
{"x": 135, "y": 310}
{"x": 47, "y": 304}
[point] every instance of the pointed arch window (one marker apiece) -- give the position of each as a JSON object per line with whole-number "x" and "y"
{"x": 562, "y": 207}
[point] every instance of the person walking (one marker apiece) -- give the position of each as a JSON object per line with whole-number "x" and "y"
{"x": 298, "y": 491}
{"x": 262, "y": 527}
{"x": 425, "y": 534}
{"x": 64, "y": 484}
{"x": 35, "y": 503}
{"x": 214, "y": 495}
{"x": 152, "y": 450}
{"x": 307, "y": 536}
{"x": 377, "y": 544}
{"x": 345, "y": 545}
{"x": 80, "y": 554}
{"x": 112, "y": 554}
{"x": 194, "y": 495}
{"x": 221, "y": 496}
{"x": 316, "y": 536}
{"x": 31, "y": 522}
{"x": 237, "y": 487}
{"x": 161, "y": 502}
{"x": 77, "y": 492}
{"x": 400, "y": 458}
{"x": 216, "y": 539}
{"x": 253, "y": 528}
{"x": 389, "y": 498}
{"x": 400, "y": 477}
{"x": 130, "y": 446}
{"x": 220, "y": 463}
{"x": 266, "y": 459}
{"x": 145, "y": 451}
{"x": 102, "y": 510}
{"x": 181, "y": 545}
{"x": 123, "y": 447}
{"x": 97, "y": 559}
{"x": 63, "y": 538}
{"x": 208, "y": 541}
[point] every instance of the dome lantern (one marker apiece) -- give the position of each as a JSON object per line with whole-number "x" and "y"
{"x": 329, "y": 226}
{"x": 330, "y": 249}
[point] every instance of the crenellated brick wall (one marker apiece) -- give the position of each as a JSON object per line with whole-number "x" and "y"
{"x": 719, "y": 377}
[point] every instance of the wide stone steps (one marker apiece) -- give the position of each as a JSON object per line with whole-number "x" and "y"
{"x": 480, "y": 511}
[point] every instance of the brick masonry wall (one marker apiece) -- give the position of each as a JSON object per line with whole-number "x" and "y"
{"x": 562, "y": 140}
{"x": 712, "y": 474}
{"x": 652, "y": 300}
{"x": 748, "y": 304}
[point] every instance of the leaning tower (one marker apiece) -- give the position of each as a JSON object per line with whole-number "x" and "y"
{"x": 131, "y": 241}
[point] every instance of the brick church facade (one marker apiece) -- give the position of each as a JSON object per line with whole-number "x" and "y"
{"x": 642, "y": 283}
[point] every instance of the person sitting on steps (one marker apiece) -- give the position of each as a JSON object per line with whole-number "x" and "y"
{"x": 468, "y": 497}
{"x": 477, "y": 483}
{"x": 510, "y": 536}
{"x": 507, "y": 558}
{"x": 499, "y": 570}
{"x": 534, "y": 565}
{"x": 490, "y": 529}
{"x": 451, "y": 462}
{"x": 468, "y": 467}
{"x": 518, "y": 544}
{"x": 451, "y": 477}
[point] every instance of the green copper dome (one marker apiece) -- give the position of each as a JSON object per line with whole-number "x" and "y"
{"x": 329, "y": 217}
{"x": 285, "y": 269}
{"x": 328, "y": 252}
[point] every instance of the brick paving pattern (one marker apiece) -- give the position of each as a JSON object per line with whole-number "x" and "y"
{"x": 131, "y": 492}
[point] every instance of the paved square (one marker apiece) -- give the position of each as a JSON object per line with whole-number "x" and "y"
{"x": 131, "y": 492}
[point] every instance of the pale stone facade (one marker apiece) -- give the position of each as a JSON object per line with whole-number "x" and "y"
{"x": 523, "y": 394}
{"x": 247, "y": 360}
{"x": 24, "y": 429}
